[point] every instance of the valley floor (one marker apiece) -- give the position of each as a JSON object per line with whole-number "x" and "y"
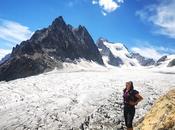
{"x": 79, "y": 99}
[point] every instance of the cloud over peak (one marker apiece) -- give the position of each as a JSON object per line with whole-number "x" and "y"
{"x": 147, "y": 52}
{"x": 150, "y": 50}
{"x": 13, "y": 32}
{"x": 108, "y": 6}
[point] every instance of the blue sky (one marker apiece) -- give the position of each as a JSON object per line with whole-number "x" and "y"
{"x": 144, "y": 26}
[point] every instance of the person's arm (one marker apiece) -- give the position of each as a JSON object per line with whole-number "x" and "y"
{"x": 139, "y": 98}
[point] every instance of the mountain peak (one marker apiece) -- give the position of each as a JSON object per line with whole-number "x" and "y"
{"x": 101, "y": 40}
{"x": 118, "y": 54}
{"x": 49, "y": 48}
{"x": 59, "y": 21}
{"x": 108, "y": 43}
{"x": 81, "y": 27}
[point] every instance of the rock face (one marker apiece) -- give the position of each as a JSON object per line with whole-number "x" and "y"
{"x": 47, "y": 49}
{"x": 162, "y": 114}
{"x": 171, "y": 63}
{"x": 105, "y": 51}
{"x": 5, "y": 58}
{"x": 118, "y": 54}
{"x": 167, "y": 61}
{"x": 162, "y": 59}
{"x": 142, "y": 60}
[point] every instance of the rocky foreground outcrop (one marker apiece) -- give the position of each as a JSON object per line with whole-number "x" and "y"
{"x": 162, "y": 115}
{"x": 47, "y": 49}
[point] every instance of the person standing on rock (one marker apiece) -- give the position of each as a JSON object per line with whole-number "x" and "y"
{"x": 131, "y": 98}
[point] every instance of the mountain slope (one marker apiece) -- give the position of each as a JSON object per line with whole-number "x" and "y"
{"x": 143, "y": 61}
{"x": 166, "y": 61}
{"x": 48, "y": 48}
{"x": 5, "y": 58}
{"x": 108, "y": 56}
{"x": 117, "y": 54}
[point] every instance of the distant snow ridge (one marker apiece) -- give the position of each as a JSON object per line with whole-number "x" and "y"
{"x": 143, "y": 60}
{"x": 117, "y": 54}
{"x": 166, "y": 61}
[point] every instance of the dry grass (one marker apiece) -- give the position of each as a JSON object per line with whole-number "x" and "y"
{"x": 162, "y": 115}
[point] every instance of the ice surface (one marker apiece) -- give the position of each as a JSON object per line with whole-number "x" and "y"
{"x": 83, "y": 95}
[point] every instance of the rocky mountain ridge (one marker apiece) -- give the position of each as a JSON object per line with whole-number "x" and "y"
{"x": 48, "y": 48}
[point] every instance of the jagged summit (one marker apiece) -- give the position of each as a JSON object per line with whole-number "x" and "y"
{"x": 117, "y": 45}
{"x": 58, "y": 20}
{"x": 48, "y": 48}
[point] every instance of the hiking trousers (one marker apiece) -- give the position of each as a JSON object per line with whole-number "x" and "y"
{"x": 129, "y": 113}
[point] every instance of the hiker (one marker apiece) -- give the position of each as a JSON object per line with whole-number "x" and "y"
{"x": 131, "y": 98}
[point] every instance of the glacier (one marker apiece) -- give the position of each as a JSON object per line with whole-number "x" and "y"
{"x": 80, "y": 96}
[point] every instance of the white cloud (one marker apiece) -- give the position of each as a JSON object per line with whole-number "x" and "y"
{"x": 94, "y": 2}
{"x": 13, "y": 32}
{"x": 150, "y": 50}
{"x": 147, "y": 52}
{"x": 4, "y": 52}
{"x": 108, "y": 6}
{"x": 161, "y": 15}
{"x": 166, "y": 50}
